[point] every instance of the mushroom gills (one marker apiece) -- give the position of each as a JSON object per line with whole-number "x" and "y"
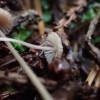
{"x": 54, "y": 41}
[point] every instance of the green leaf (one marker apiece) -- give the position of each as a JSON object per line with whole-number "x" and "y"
{"x": 97, "y": 40}
{"x": 47, "y": 17}
{"x": 90, "y": 14}
{"x": 45, "y": 4}
{"x": 94, "y": 5}
{"x": 18, "y": 46}
{"x": 22, "y": 35}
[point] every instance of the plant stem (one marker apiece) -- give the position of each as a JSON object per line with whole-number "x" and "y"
{"x": 37, "y": 7}
{"x": 41, "y": 89}
{"x": 27, "y": 44}
{"x": 27, "y": 2}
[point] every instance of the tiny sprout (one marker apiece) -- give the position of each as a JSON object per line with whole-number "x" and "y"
{"x": 52, "y": 46}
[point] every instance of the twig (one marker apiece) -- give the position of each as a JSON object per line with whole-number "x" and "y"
{"x": 27, "y": 3}
{"x": 71, "y": 14}
{"x": 92, "y": 75}
{"x": 8, "y": 62}
{"x": 22, "y": 80}
{"x": 97, "y": 81}
{"x": 7, "y": 94}
{"x": 92, "y": 28}
{"x": 22, "y": 5}
{"x": 65, "y": 22}
{"x": 37, "y": 7}
{"x": 92, "y": 50}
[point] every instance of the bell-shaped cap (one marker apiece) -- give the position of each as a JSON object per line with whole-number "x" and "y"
{"x": 54, "y": 41}
{"x": 6, "y": 21}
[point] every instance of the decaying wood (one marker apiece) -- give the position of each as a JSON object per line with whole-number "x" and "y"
{"x": 7, "y": 95}
{"x": 92, "y": 75}
{"x": 37, "y": 7}
{"x": 65, "y": 22}
{"x": 92, "y": 28}
{"x": 94, "y": 52}
{"x": 71, "y": 15}
{"x": 97, "y": 81}
{"x": 21, "y": 80}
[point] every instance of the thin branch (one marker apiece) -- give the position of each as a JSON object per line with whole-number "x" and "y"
{"x": 21, "y": 79}
{"x": 38, "y": 8}
{"x": 22, "y": 5}
{"x": 27, "y": 2}
{"x": 92, "y": 28}
{"x": 71, "y": 14}
{"x": 92, "y": 75}
{"x": 92, "y": 50}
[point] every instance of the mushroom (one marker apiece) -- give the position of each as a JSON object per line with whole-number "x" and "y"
{"x": 6, "y": 24}
{"x": 54, "y": 41}
{"x": 52, "y": 46}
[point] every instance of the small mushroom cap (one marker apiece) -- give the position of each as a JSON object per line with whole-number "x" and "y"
{"x": 53, "y": 40}
{"x": 6, "y": 21}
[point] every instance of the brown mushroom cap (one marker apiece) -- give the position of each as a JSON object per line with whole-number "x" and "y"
{"x": 6, "y": 21}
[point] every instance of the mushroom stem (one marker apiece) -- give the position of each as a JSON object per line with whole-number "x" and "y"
{"x": 27, "y": 44}
{"x": 41, "y": 89}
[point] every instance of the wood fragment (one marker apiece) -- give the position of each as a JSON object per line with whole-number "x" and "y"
{"x": 92, "y": 28}
{"x": 22, "y": 5}
{"x": 92, "y": 50}
{"x": 97, "y": 81}
{"x": 38, "y": 8}
{"x": 71, "y": 15}
{"x": 21, "y": 79}
{"x": 27, "y": 2}
{"x": 92, "y": 75}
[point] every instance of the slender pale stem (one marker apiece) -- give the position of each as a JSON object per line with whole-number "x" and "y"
{"x": 41, "y": 89}
{"x": 27, "y": 44}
